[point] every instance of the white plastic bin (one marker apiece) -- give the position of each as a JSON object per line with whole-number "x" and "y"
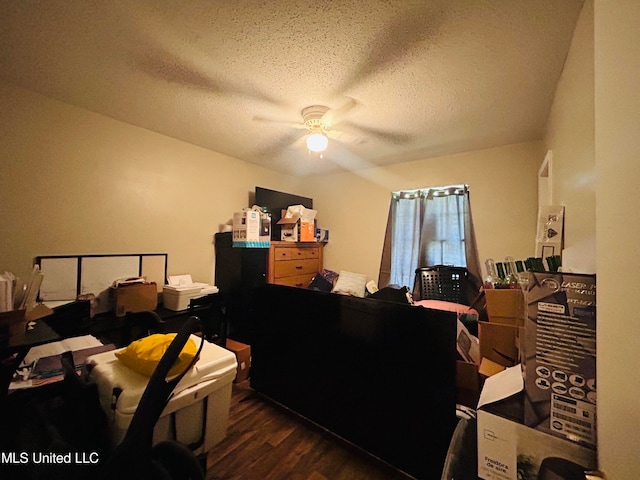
{"x": 198, "y": 411}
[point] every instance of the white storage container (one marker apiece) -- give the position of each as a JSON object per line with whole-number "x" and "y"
{"x": 199, "y": 407}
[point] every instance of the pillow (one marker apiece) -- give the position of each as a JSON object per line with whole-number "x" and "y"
{"x": 350, "y": 283}
{"x": 330, "y": 275}
{"x": 320, "y": 283}
{"x": 143, "y": 355}
{"x": 393, "y": 294}
{"x": 458, "y": 308}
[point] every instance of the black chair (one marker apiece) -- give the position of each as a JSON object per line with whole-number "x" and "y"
{"x": 442, "y": 282}
{"x": 136, "y": 457}
{"x": 141, "y": 324}
{"x": 211, "y": 311}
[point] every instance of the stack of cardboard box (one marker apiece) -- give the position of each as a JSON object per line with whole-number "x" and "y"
{"x": 537, "y": 419}
{"x": 298, "y": 224}
{"x": 500, "y": 336}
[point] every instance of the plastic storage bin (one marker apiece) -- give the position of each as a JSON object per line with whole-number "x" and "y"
{"x": 441, "y": 282}
{"x": 197, "y": 413}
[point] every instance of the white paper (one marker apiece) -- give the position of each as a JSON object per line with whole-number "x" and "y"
{"x": 502, "y": 385}
{"x": 58, "y": 348}
{"x": 299, "y": 211}
{"x": 180, "y": 280}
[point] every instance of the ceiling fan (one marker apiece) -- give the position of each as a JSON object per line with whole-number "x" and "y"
{"x": 321, "y": 122}
{"x": 324, "y": 123}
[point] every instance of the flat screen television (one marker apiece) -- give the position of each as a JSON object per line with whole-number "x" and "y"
{"x": 275, "y": 201}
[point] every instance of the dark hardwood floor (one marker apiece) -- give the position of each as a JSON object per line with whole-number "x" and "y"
{"x": 266, "y": 441}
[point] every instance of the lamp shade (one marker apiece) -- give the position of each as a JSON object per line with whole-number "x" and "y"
{"x": 317, "y": 142}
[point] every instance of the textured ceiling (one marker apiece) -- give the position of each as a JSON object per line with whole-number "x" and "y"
{"x": 427, "y": 78}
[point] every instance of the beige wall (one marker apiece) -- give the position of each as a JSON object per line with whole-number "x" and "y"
{"x": 617, "y": 152}
{"x": 570, "y": 137}
{"x": 74, "y": 182}
{"x": 503, "y": 185}
{"x": 593, "y": 132}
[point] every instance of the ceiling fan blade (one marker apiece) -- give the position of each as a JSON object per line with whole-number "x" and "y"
{"x": 335, "y": 116}
{"x": 289, "y": 141}
{"x": 383, "y": 135}
{"x": 397, "y": 39}
{"x": 344, "y": 137}
{"x": 300, "y": 143}
{"x": 297, "y": 125}
{"x": 160, "y": 63}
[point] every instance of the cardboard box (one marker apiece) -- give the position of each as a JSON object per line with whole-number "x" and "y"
{"x": 289, "y": 229}
{"x": 510, "y": 450}
{"x": 467, "y": 376}
{"x": 307, "y": 231}
{"x": 243, "y": 357}
{"x": 322, "y": 235}
{"x": 137, "y": 297}
{"x": 499, "y": 344}
{"x": 560, "y": 350}
{"x": 505, "y": 306}
{"x": 298, "y": 224}
{"x": 468, "y": 383}
{"x": 251, "y": 229}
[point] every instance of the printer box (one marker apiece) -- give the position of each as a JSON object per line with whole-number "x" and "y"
{"x": 307, "y": 231}
{"x": 560, "y": 350}
{"x": 251, "y": 229}
{"x": 136, "y": 297}
{"x": 510, "y": 450}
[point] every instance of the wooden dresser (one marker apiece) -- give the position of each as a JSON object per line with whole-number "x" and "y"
{"x": 294, "y": 263}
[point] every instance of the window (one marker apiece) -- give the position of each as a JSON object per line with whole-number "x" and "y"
{"x": 429, "y": 226}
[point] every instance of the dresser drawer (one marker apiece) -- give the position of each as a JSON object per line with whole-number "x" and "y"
{"x": 295, "y": 267}
{"x": 292, "y": 253}
{"x": 300, "y": 281}
{"x": 310, "y": 252}
{"x": 282, "y": 253}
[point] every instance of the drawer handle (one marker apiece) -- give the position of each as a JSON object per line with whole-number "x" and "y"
{"x": 298, "y": 267}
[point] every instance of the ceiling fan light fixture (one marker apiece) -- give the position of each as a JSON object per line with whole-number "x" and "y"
{"x": 317, "y": 142}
